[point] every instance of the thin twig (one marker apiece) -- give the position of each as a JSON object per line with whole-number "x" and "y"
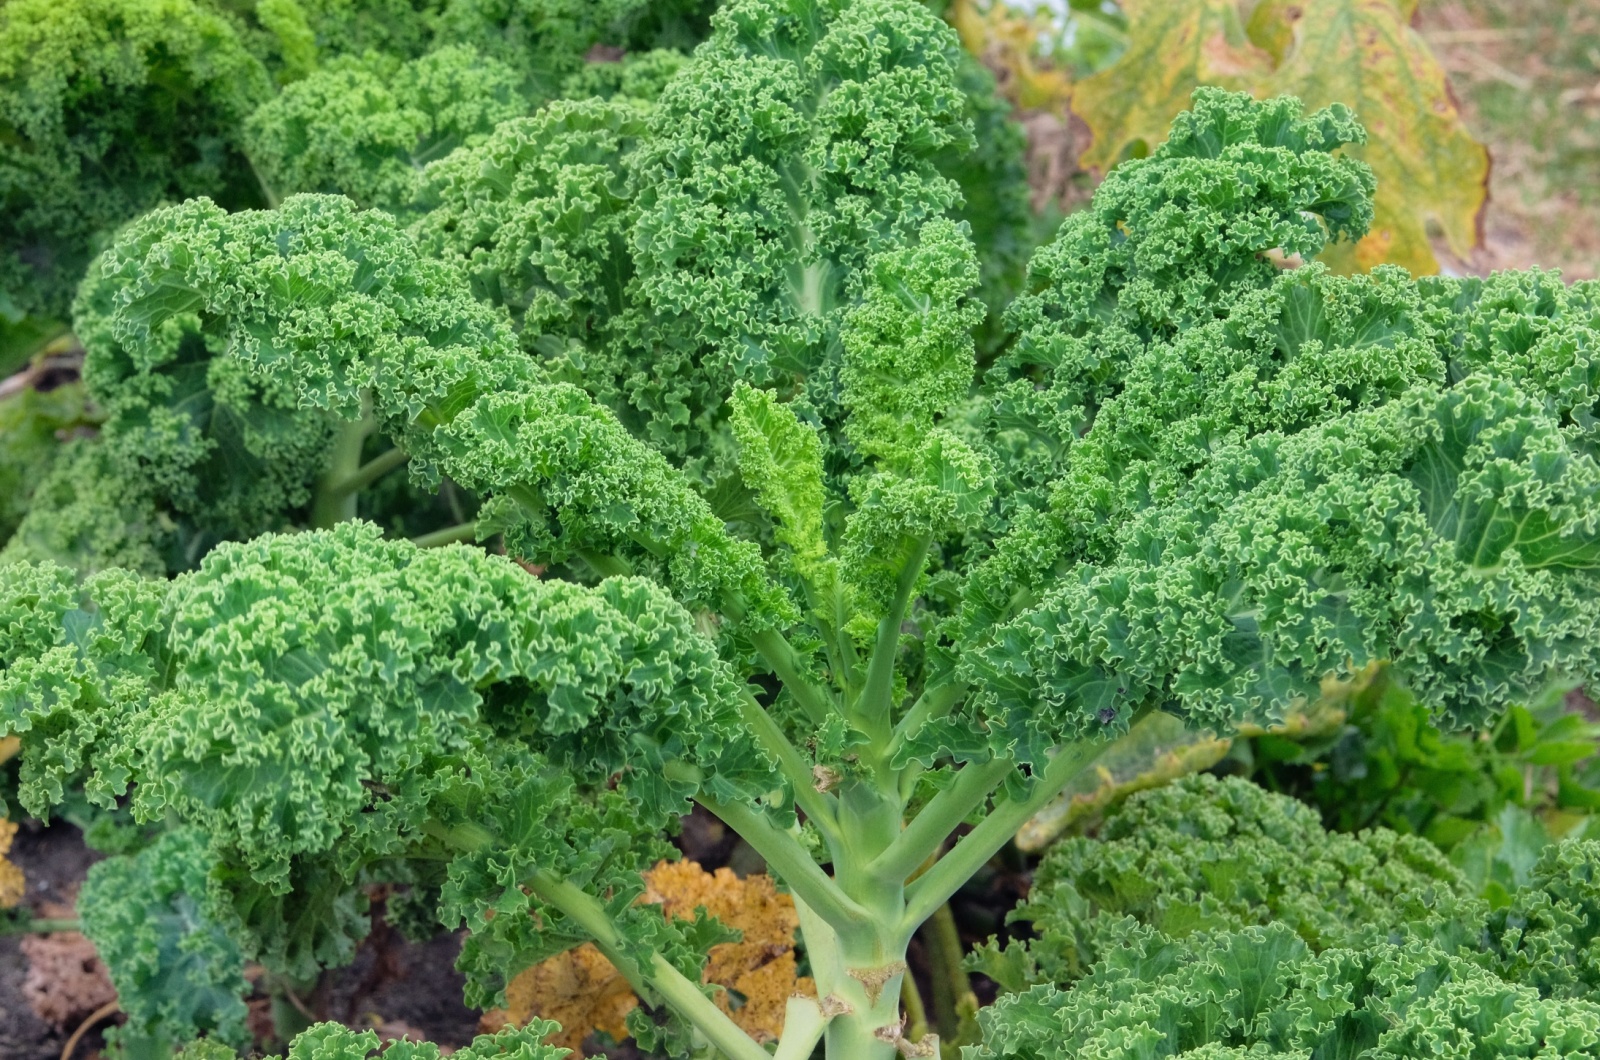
{"x": 294, "y": 999}
{"x": 1498, "y": 72}
{"x": 108, "y": 1009}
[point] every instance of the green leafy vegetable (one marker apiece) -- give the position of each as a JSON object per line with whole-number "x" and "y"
{"x": 176, "y": 970}
{"x": 107, "y": 108}
{"x": 797, "y": 560}
{"x": 1213, "y": 919}
{"x": 364, "y": 127}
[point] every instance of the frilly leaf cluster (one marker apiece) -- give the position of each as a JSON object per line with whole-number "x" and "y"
{"x": 319, "y": 702}
{"x": 108, "y": 108}
{"x": 160, "y": 932}
{"x": 364, "y": 127}
{"x": 1216, "y": 920}
{"x": 334, "y": 1041}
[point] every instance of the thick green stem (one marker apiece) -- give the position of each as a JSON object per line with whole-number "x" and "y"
{"x": 935, "y": 887}
{"x": 859, "y": 983}
{"x": 803, "y": 1026}
{"x": 450, "y": 535}
{"x": 874, "y": 706}
{"x": 370, "y": 472}
{"x": 780, "y": 655}
{"x": 331, "y": 505}
{"x": 659, "y": 978}
{"x": 950, "y": 983}
{"x": 932, "y": 826}
{"x": 820, "y": 808}
{"x": 606, "y": 565}
{"x": 793, "y": 864}
{"x": 916, "y": 1011}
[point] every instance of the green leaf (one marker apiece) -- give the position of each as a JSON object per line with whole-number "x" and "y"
{"x": 157, "y": 926}
{"x": 781, "y": 460}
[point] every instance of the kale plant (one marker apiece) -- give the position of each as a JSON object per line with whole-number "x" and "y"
{"x": 778, "y": 542}
{"x": 1213, "y": 919}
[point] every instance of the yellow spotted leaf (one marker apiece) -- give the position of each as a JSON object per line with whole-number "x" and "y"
{"x": 12, "y": 886}
{"x": 582, "y": 991}
{"x": 1173, "y": 46}
{"x": 1431, "y": 172}
{"x": 1006, "y": 39}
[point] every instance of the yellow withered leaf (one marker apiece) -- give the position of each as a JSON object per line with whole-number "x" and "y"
{"x": 1173, "y": 46}
{"x": 1430, "y": 170}
{"x": 12, "y": 885}
{"x": 1006, "y": 39}
{"x": 582, "y": 991}
{"x": 579, "y": 989}
{"x": 1363, "y": 53}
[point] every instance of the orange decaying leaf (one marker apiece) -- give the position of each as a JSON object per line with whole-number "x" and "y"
{"x": 582, "y": 991}
{"x": 12, "y": 885}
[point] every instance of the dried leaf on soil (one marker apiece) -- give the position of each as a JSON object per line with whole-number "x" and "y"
{"x": 12, "y": 885}
{"x": 582, "y": 991}
{"x": 65, "y": 980}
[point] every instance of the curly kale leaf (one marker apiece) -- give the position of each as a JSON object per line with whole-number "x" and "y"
{"x": 1451, "y": 532}
{"x": 333, "y": 1041}
{"x": 75, "y": 666}
{"x": 995, "y": 198}
{"x": 292, "y": 36}
{"x": 108, "y": 108}
{"x": 321, "y": 311}
{"x": 436, "y": 696}
{"x": 1260, "y": 992}
{"x": 366, "y": 127}
{"x": 774, "y": 170}
{"x": 544, "y": 41}
{"x": 1167, "y": 244}
{"x": 1214, "y": 919}
{"x": 1315, "y": 473}
{"x": 32, "y": 424}
{"x": 639, "y": 76}
{"x": 1207, "y": 854}
{"x": 203, "y": 329}
{"x": 86, "y": 513}
{"x": 540, "y": 216}
{"x": 153, "y": 921}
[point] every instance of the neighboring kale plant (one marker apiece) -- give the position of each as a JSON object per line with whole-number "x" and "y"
{"x": 195, "y": 447}
{"x": 1532, "y": 774}
{"x": 365, "y": 127}
{"x": 107, "y": 108}
{"x": 924, "y": 597}
{"x": 1212, "y": 919}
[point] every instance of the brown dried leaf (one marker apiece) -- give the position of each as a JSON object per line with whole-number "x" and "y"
{"x": 579, "y": 989}
{"x": 582, "y": 991}
{"x": 761, "y": 966}
{"x": 65, "y": 980}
